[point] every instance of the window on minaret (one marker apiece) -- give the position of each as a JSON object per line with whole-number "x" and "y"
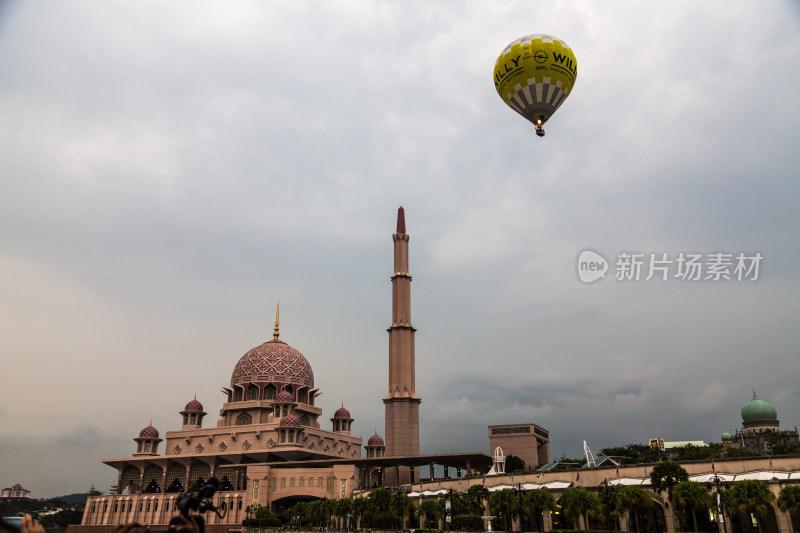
{"x": 244, "y": 419}
{"x": 291, "y": 436}
{"x": 269, "y": 392}
{"x": 192, "y": 420}
{"x": 285, "y": 410}
{"x": 304, "y": 420}
{"x": 185, "y": 420}
{"x": 237, "y": 394}
{"x": 302, "y": 396}
{"x": 252, "y": 392}
{"x": 139, "y": 447}
{"x": 147, "y": 446}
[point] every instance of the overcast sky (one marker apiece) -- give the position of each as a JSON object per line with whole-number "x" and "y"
{"x": 169, "y": 170}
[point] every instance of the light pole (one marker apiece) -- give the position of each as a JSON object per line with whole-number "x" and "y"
{"x": 716, "y": 480}
{"x": 606, "y": 502}
{"x": 521, "y": 510}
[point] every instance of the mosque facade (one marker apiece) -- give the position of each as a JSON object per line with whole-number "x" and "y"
{"x": 271, "y": 445}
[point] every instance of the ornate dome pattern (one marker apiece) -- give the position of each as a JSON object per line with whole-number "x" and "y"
{"x": 758, "y": 409}
{"x": 148, "y": 433}
{"x": 342, "y": 413}
{"x": 194, "y": 407}
{"x": 275, "y": 362}
{"x": 375, "y": 440}
{"x": 290, "y": 421}
{"x": 284, "y": 396}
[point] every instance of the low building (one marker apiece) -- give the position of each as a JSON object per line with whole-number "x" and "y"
{"x": 529, "y": 442}
{"x": 16, "y": 491}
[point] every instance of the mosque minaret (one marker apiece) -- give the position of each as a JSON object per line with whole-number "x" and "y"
{"x": 402, "y": 403}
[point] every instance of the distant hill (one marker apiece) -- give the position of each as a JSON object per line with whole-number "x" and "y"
{"x": 75, "y": 498}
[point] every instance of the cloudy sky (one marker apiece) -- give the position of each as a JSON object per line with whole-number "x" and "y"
{"x": 169, "y": 170}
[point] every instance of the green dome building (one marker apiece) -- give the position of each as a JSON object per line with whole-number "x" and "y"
{"x": 760, "y": 417}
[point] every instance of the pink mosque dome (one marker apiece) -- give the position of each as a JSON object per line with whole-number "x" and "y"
{"x": 375, "y": 440}
{"x": 273, "y": 362}
{"x": 290, "y": 421}
{"x": 194, "y": 407}
{"x": 149, "y": 432}
{"x": 342, "y": 413}
{"x": 284, "y": 396}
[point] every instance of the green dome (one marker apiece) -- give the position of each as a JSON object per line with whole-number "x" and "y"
{"x": 758, "y": 409}
{"x": 726, "y": 436}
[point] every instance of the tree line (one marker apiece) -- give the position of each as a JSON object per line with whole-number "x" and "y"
{"x": 691, "y": 502}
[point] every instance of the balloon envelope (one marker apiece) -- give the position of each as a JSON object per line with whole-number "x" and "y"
{"x": 534, "y": 75}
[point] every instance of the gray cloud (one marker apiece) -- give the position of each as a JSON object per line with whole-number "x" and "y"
{"x": 169, "y": 173}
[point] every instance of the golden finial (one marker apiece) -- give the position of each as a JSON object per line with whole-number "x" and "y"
{"x": 151, "y": 421}
{"x": 275, "y": 333}
{"x": 195, "y": 396}
{"x": 342, "y": 404}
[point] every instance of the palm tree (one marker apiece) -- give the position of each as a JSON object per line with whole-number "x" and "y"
{"x": 327, "y": 510}
{"x": 361, "y": 507}
{"x": 299, "y": 512}
{"x": 666, "y": 475}
{"x": 750, "y": 496}
{"x": 403, "y": 506}
{"x": 789, "y": 500}
{"x": 381, "y": 498}
{"x": 691, "y": 495}
{"x": 579, "y": 502}
{"x": 476, "y": 495}
{"x": 342, "y": 508}
{"x": 503, "y": 503}
{"x": 629, "y": 499}
{"x": 536, "y": 503}
{"x": 430, "y": 508}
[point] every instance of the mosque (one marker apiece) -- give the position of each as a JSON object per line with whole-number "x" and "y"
{"x": 760, "y": 429}
{"x": 269, "y": 446}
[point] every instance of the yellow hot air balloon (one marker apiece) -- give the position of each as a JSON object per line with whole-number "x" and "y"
{"x": 534, "y": 75}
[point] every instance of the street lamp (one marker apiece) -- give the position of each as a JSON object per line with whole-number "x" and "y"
{"x": 521, "y": 510}
{"x": 606, "y": 502}
{"x": 449, "y": 512}
{"x": 718, "y": 481}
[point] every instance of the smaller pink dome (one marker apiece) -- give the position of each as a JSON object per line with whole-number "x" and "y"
{"x": 375, "y": 440}
{"x": 284, "y": 396}
{"x": 290, "y": 421}
{"x": 194, "y": 407}
{"x": 341, "y": 413}
{"x": 148, "y": 433}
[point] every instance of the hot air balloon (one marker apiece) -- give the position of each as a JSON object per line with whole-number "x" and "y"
{"x": 534, "y": 75}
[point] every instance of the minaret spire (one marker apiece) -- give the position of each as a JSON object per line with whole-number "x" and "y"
{"x": 401, "y": 220}
{"x": 275, "y": 333}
